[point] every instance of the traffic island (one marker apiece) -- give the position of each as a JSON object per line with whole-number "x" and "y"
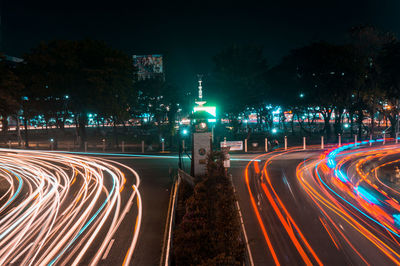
{"x": 207, "y": 226}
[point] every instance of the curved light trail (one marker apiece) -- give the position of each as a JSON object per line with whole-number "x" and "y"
{"x": 58, "y": 208}
{"x": 357, "y": 211}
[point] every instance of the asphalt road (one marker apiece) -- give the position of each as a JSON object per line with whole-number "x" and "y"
{"x": 62, "y": 208}
{"x": 155, "y": 191}
{"x": 297, "y": 210}
{"x": 299, "y": 207}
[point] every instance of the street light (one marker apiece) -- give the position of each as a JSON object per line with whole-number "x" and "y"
{"x": 301, "y": 95}
{"x": 274, "y": 130}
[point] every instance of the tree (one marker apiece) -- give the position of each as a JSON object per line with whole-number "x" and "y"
{"x": 92, "y": 76}
{"x": 161, "y": 102}
{"x": 10, "y": 92}
{"x": 240, "y": 77}
{"x": 389, "y": 73}
{"x": 369, "y": 42}
{"x": 325, "y": 75}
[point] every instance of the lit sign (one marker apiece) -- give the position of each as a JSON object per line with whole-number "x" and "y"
{"x": 212, "y": 110}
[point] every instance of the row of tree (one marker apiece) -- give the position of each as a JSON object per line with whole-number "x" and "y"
{"x": 358, "y": 79}
{"x": 68, "y": 80}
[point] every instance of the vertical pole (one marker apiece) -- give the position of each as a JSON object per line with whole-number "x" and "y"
{"x": 142, "y": 146}
{"x": 51, "y": 145}
{"x": 123, "y": 146}
{"x": 397, "y": 137}
{"x": 212, "y": 134}
{"x": 304, "y": 143}
{"x": 245, "y": 145}
{"x": 285, "y": 143}
{"x": 104, "y": 145}
{"x": 183, "y": 145}
{"x": 384, "y": 138}
{"x": 266, "y": 144}
{"x": 340, "y": 140}
{"x": 9, "y": 144}
{"x": 370, "y": 140}
{"x": 322, "y": 142}
{"x": 355, "y": 140}
{"x": 85, "y": 146}
{"x": 224, "y": 141}
{"x": 162, "y": 146}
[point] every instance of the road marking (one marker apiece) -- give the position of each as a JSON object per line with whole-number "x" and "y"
{"x": 242, "y": 224}
{"x": 245, "y": 235}
{"x": 108, "y": 249}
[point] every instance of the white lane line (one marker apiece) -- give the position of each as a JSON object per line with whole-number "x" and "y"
{"x": 245, "y": 235}
{"x": 108, "y": 249}
{"x": 242, "y": 224}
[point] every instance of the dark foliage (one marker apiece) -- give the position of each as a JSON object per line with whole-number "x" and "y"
{"x": 209, "y": 233}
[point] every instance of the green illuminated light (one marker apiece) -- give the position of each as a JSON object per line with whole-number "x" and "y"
{"x": 212, "y": 110}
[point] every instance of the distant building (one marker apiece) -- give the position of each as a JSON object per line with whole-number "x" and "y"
{"x": 149, "y": 66}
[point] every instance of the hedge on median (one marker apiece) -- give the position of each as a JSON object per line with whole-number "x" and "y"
{"x": 209, "y": 233}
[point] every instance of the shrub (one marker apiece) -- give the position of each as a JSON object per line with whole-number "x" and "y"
{"x": 209, "y": 231}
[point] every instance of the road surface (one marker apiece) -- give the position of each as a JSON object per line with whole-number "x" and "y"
{"x": 314, "y": 207}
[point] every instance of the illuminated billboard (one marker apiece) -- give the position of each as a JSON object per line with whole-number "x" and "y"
{"x": 148, "y": 66}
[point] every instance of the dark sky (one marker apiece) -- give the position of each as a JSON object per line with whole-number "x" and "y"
{"x": 189, "y": 33}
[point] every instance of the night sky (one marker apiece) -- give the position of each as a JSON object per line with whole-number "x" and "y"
{"x": 190, "y": 33}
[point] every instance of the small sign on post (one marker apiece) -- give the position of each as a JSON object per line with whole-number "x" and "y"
{"x": 227, "y": 157}
{"x": 234, "y": 145}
